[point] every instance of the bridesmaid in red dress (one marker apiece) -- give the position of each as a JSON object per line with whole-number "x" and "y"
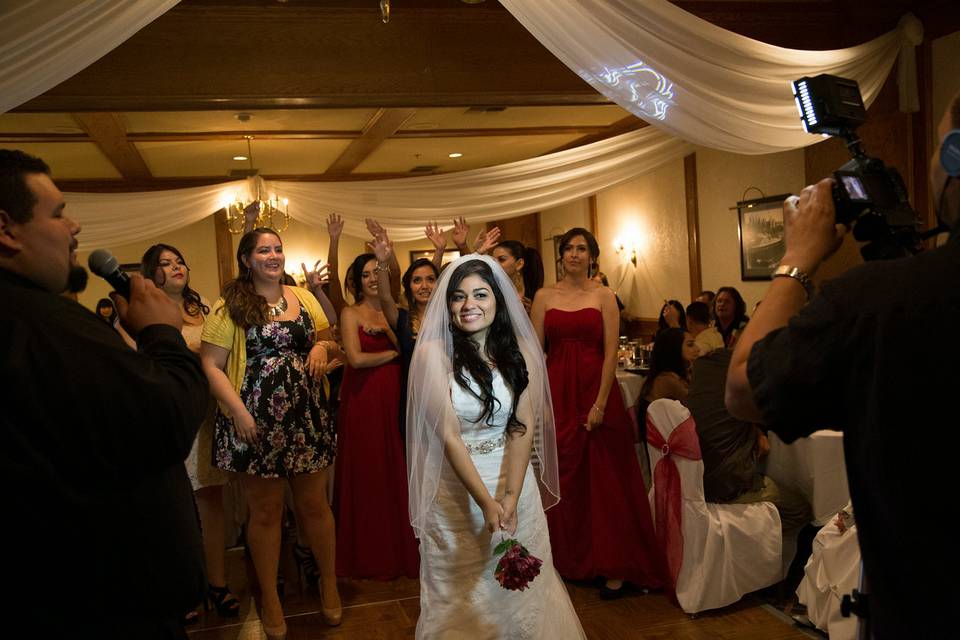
{"x": 374, "y": 536}
{"x": 602, "y": 524}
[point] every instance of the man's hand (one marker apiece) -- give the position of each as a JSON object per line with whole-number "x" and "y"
{"x": 148, "y": 305}
{"x": 810, "y": 227}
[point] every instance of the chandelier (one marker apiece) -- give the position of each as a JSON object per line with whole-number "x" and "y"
{"x": 272, "y": 211}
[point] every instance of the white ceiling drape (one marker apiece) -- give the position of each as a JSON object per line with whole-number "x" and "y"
{"x": 403, "y": 205}
{"x": 44, "y": 42}
{"x": 700, "y": 82}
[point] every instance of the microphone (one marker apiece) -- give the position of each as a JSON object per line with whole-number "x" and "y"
{"x": 102, "y": 263}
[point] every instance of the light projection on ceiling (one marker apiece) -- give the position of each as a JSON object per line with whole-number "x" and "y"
{"x": 649, "y": 93}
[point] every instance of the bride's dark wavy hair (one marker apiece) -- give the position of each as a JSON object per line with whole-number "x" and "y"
{"x": 500, "y": 347}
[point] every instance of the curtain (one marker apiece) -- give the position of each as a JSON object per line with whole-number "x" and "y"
{"x": 111, "y": 219}
{"x": 403, "y": 205}
{"x": 700, "y": 82}
{"x": 44, "y": 42}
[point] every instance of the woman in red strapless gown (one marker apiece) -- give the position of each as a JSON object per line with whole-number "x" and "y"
{"x": 374, "y": 537}
{"x": 602, "y": 525}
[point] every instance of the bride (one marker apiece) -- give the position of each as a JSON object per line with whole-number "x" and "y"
{"x": 479, "y": 405}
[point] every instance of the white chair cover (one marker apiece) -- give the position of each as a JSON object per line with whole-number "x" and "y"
{"x": 832, "y": 571}
{"x": 728, "y": 549}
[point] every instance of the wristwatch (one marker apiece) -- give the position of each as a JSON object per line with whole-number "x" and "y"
{"x": 786, "y": 271}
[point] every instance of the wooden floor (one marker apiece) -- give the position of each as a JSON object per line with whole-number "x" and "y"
{"x": 389, "y": 610}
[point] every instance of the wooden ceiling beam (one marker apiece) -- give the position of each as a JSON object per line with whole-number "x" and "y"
{"x": 623, "y": 125}
{"x": 383, "y": 124}
{"x": 108, "y": 132}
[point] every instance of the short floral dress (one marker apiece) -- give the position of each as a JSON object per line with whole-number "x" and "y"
{"x": 294, "y": 431}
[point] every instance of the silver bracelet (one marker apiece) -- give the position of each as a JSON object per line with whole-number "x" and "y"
{"x": 787, "y": 271}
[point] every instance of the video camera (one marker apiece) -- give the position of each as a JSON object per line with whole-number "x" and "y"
{"x": 867, "y": 194}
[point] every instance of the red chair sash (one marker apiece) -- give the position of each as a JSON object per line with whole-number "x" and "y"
{"x": 668, "y": 494}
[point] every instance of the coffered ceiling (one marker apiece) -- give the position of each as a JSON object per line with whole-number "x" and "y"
{"x": 329, "y": 92}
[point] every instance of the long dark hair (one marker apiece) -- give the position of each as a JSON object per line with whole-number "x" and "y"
{"x": 667, "y": 357}
{"x": 500, "y": 347}
{"x": 149, "y": 264}
{"x": 676, "y": 304}
{"x": 408, "y": 278}
{"x": 592, "y": 245}
{"x": 532, "y": 271}
{"x": 246, "y": 307}
{"x": 355, "y": 275}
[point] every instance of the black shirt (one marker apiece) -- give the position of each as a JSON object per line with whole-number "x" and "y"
{"x": 726, "y": 444}
{"x": 875, "y": 355}
{"x": 100, "y": 530}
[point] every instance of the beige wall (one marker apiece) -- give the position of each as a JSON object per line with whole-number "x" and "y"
{"x": 648, "y": 212}
{"x": 722, "y": 179}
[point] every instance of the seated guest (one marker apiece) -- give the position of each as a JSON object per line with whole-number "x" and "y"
{"x": 732, "y": 449}
{"x": 674, "y": 351}
{"x": 707, "y": 297}
{"x": 672, "y": 315}
{"x": 701, "y": 328}
{"x": 730, "y": 311}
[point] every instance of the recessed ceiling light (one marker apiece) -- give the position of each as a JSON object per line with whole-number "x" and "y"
{"x": 239, "y": 157}
{"x": 456, "y": 155}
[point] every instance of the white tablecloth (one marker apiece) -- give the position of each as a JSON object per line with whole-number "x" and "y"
{"x": 815, "y": 467}
{"x": 630, "y": 385}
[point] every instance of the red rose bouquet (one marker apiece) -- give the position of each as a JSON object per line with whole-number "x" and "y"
{"x": 517, "y": 568}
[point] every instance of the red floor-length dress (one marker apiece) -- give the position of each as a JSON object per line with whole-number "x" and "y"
{"x": 602, "y": 525}
{"x": 374, "y": 537}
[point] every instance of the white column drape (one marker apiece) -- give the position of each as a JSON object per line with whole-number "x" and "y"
{"x": 405, "y": 205}
{"x": 698, "y": 81}
{"x": 44, "y": 42}
{"x": 112, "y": 219}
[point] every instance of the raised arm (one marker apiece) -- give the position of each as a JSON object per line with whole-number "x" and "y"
{"x": 439, "y": 239}
{"x": 459, "y": 235}
{"x": 486, "y": 241}
{"x": 379, "y": 231}
{"x": 334, "y": 229}
{"x": 356, "y": 357}
{"x": 383, "y": 250}
{"x": 315, "y": 280}
{"x": 611, "y": 333}
{"x": 250, "y": 215}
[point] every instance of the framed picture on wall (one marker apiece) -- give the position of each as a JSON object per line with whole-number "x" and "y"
{"x": 761, "y": 236}
{"x": 448, "y": 256}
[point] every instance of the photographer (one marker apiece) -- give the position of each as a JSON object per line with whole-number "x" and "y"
{"x": 871, "y": 355}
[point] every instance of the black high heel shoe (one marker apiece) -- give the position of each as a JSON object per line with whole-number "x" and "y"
{"x": 309, "y": 573}
{"x": 220, "y": 598}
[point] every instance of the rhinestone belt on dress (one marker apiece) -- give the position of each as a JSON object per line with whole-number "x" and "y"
{"x": 485, "y": 446}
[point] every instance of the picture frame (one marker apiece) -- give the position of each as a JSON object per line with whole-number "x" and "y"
{"x": 448, "y": 256}
{"x": 761, "y": 233}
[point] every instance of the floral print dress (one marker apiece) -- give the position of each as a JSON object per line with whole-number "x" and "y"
{"x": 294, "y": 431}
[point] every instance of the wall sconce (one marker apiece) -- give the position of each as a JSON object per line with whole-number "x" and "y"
{"x": 626, "y": 248}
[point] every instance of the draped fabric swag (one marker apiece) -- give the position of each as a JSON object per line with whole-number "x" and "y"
{"x": 403, "y": 205}
{"x": 44, "y": 42}
{"x": 703, "y": 83}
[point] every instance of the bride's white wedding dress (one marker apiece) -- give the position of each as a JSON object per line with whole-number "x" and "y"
{"x": 459, "y": 595}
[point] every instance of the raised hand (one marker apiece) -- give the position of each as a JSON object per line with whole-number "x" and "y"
{"x": 251, "y": 213}
{"x": 436, "y": 235}
{"x": 382, "y": 248}
{"x": 375, "y": 228}
{"x": 486, "y": 240}
{"x": 318, "y": 276}
{"x": 334, "y": 225}
{"x": 460, "y": 231}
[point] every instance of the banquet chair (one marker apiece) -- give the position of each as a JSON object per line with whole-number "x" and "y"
{"x": 832, "y": 571}
{"x": 715, "y": 553}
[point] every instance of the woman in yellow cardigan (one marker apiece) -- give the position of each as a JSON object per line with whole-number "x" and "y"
{"x": 265, "y": 352}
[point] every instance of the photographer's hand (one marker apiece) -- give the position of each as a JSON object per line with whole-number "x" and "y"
{"x": 810, "y": 229}
{"x": 811, "y": 235}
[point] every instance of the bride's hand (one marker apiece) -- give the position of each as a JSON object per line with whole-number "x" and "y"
{"x": 508, "y": 522}
{"x": 492, "y": 515}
